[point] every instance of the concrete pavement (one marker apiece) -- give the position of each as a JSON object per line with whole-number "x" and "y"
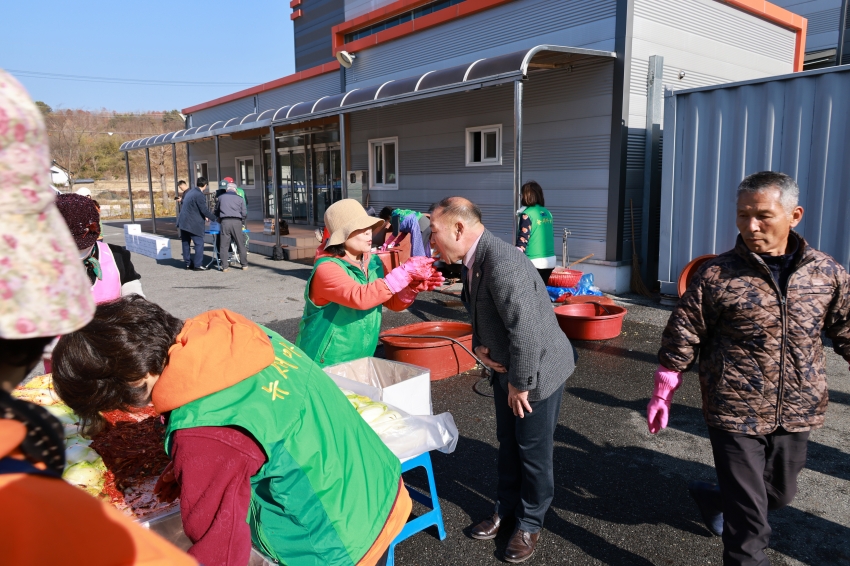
{"x": 621, "y": 493}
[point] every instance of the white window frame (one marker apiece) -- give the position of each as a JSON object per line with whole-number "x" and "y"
{"x": 238, "y": 175}
{"x": 469, "y": 146}
{"x": 372, "y": 183}
{"x": 195, "y": 169}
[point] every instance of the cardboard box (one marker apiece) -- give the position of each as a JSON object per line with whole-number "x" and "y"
{"x": 401, "y": 385}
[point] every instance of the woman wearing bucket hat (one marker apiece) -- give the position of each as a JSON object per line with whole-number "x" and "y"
{"x": 345, "y": 292}
{"x": 45, "y": 292}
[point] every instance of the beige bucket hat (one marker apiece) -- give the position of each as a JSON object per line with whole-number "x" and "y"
{"x": 346, "y": 216}
{"x": 44, "y": 290}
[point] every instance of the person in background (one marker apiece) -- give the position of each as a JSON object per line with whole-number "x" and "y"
{"x": 191, "y": 224}
{"x": 379, "y": 234}
{"x": 181, "y": 190}
{"x": 535, "y": 235}
{"x": 45, "y": 292}
{"x": 345, "y": 291}
{"x": 231, "y": 211}
{"x": 109, "y": 267}
{"x": 265, "y": 447}
{"x": 514, "y": 333}
{"x": 754, "y": 316}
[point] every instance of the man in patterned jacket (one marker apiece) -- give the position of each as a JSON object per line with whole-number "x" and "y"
{"x": 754, "y": 315}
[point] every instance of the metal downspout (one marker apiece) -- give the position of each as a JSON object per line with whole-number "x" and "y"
{"x": 150, "y": 187}
{"x": 518, "y": 91}
{"x": 129, "y": 186}
{"x": 842, "y": 31}
{"x": 343, "y": 166}
{"x": 651, "y": 165}
{"x": 176, "y": 188}
{"x": 217, "y": 162}
{"x": 277, "y": 252}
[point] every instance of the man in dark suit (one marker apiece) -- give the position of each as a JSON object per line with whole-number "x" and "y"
{"x": 515, "y": 333}
{"x": 191, "y": 224}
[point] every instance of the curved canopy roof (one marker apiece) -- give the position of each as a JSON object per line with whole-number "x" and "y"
{"x": 489, "y": 71}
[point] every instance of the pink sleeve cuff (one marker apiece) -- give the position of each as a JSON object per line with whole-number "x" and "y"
{"x": 666, "y": 382}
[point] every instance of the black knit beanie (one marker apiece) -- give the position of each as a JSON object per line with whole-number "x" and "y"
{"x": 82, "y": 218}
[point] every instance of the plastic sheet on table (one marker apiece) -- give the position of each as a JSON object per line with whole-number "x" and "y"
{"x": 422, "y": 434}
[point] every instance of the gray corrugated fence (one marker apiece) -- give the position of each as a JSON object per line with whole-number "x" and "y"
{"x": 714, "y": 136}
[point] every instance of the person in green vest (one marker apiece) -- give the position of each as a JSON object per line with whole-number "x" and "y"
{"x": 535, "y": 235}
{"x": 265, "y": 448}
{"x": 348, "y": 287}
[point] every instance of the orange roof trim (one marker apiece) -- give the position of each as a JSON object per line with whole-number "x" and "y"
{"x": 782, "y": 17}
{"x": 400, "y": 6}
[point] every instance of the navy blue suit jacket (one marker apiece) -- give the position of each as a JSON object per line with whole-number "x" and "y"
{"x": 193, "y": 212}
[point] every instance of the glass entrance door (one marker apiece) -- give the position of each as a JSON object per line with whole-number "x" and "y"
{"x": 298, "y": 186}
{"x": 327, "y": 180}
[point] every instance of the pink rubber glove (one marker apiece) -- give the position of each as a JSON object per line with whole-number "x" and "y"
{"x": 433, "y": 282}
{"x": 407, "y": 295}
{"x": 414, "y": 269}
{"x": 658, "y": 409}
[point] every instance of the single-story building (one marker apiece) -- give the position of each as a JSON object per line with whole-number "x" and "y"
{"x": 475, "y": 97}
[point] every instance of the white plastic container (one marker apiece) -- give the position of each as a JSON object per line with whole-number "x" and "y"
{"x": 401, "y": 385}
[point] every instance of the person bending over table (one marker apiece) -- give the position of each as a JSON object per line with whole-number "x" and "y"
{"x": 254, "y": 429}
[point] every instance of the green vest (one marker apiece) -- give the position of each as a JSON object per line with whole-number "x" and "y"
{"x": 329, "y": 484}
{"x": 333, "y": 334}
{"x": 541, "y": 243}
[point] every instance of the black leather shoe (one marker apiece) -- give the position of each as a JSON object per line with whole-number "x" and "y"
{"x": 707, "y": 497}
{"x": 201, "y": 268}
{"x": 521, "y": 546}
{"x": 486, "y": 529}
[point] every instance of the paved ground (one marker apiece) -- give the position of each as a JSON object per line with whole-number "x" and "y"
{"x": 620, "y": 492}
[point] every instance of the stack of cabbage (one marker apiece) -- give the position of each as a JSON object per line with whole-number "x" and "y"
{"x": 83, "y": 466}
{"x": 380, "y": 417}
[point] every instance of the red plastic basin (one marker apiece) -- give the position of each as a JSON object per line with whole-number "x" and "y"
{"x": 589, "y": 321}
{"x": 689, "y": 271}
{"x": 443, "y": 358}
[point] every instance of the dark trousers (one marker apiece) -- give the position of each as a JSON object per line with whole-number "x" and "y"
{"x": 198, "y": 241}
{"x": 755, "y": 474}
{"x": 231, "y": 228}
{"x": 526, "y": 481}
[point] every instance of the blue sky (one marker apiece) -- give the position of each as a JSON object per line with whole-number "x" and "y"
{"x": 215, "y": 41}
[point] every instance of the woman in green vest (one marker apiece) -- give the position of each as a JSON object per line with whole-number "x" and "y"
{"x": 348, "y": 287}
{"x": 535, "y": 236}
{"x": 266, "y": 451}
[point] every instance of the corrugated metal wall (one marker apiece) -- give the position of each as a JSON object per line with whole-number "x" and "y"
{"x": 797, "y": 124}
{"x": 313, "y": 31}
{"x": 567, "y": 127}
{"x": 712, "y": 43}
{"x": 226, "y": 111}
{"x": 302, "y": 91}
{"x": 356, "y": 8}
{"x": 510, "y": 27}
{"x": 310, "y": 89}
{"x": 229, "y": 150}
{"x": 823, "y": 16}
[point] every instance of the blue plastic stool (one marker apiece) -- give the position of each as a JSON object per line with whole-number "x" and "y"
{"x": 433, "y": 517}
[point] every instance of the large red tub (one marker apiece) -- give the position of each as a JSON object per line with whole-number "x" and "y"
{"x": 442, "y": 357}
{"x": 590, "y": 321}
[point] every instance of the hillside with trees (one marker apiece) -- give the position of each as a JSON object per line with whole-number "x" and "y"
{"x": 86, "y": 144}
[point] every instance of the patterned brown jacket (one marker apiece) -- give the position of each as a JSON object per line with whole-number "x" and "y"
{"x": 761, "y": 359}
